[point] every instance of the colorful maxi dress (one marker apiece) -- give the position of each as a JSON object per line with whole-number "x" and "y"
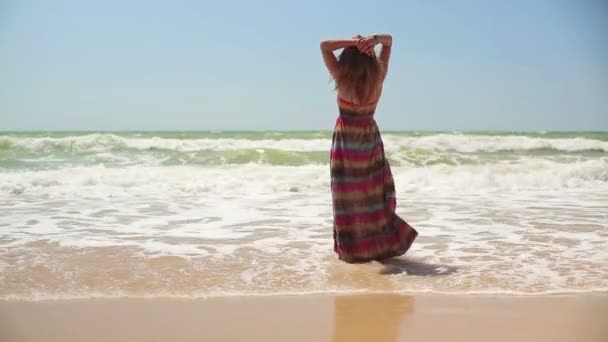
{"x": 366, "y": 226}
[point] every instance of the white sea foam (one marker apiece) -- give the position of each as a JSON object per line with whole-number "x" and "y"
{"x": 99, "y": 142}
{"x": 481, "y": 143}
{"x": 103, "y": 182}
{"x": 478, "y": 232}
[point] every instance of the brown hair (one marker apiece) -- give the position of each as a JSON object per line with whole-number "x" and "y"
{"x": 359, "y": 74}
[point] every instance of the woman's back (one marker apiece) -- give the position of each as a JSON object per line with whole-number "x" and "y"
{"x": 358, "y": 73}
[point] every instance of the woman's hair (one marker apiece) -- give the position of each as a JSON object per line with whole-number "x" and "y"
{"x": 359, "y": 74}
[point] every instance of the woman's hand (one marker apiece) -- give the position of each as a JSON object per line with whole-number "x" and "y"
{"x": 366, "y": 44}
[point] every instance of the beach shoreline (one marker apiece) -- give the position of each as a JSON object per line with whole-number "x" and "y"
{"x": 362, "y": 317}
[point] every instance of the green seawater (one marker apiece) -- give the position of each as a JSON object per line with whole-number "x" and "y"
{"x": 41, "y": 150}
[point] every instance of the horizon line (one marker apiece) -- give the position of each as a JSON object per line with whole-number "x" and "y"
{"x": 287, "y": 131}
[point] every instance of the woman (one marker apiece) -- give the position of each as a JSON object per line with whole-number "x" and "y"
{"x": 363, "y": 192}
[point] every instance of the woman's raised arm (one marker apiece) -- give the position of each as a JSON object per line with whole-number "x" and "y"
{"x": 327, "y": 49}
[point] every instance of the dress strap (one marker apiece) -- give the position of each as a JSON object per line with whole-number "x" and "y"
{"x": 348, "y": 103}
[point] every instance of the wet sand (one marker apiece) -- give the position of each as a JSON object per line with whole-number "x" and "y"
{"x": 386, "y": 317}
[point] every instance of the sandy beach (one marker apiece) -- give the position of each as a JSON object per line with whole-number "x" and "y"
{"x": 382, "y": 317}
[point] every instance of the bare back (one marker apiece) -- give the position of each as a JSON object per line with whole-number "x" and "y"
{"x": 356, "y": 105}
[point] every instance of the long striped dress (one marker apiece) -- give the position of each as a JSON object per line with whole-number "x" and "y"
{"x": 366, "y": 226}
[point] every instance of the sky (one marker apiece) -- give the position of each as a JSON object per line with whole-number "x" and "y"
{"x": 256, "y": 65}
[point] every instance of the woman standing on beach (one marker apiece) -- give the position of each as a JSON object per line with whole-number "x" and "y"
{"x": 366, "y": 226}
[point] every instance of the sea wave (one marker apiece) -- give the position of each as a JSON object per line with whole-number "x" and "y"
{"x": 528, "y": 173}
{"x": 463, "y": 143}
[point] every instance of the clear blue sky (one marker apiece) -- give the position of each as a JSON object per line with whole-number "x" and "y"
{"x": 456, "y": 65}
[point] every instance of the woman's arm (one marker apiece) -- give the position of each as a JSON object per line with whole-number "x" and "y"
{"x": 327, "y": 49}
{"x": 386, "y": 40}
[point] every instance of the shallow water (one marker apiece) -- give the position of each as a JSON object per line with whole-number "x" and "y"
{"x": 214, "y": 213}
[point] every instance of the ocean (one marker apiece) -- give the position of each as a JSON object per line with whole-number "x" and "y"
{"x": 201, "y": 214}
